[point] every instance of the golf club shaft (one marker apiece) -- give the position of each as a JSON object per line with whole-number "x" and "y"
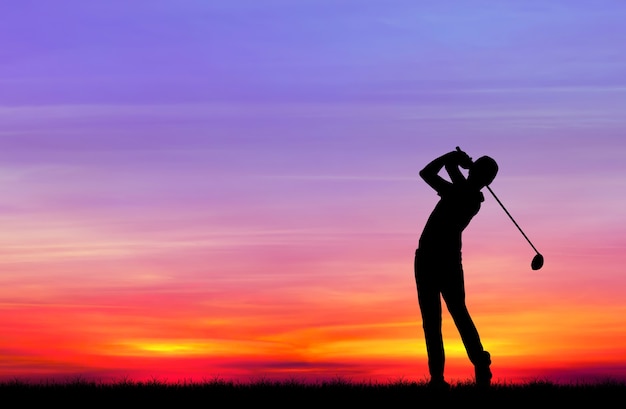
{"x": 507, "y": 213}
{"x": 512, "y": 219}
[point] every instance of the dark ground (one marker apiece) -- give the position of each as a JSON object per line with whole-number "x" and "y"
{"x": 293, "y": 394}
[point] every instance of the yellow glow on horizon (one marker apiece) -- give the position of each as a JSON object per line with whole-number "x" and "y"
{"x": 178, "y": 347}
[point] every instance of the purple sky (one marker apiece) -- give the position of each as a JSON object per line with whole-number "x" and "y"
{"x": 202, "y": 94}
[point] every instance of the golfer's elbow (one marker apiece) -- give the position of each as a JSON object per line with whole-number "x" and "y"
{"x": 426, "y": 174}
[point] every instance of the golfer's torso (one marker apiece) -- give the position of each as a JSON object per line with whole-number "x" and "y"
{"x": 450, "y": 217}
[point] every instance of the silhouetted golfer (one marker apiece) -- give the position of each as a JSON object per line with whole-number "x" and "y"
{"x": 438, "y": 268}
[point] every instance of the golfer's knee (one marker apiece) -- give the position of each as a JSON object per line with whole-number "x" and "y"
{"x": 458, "y": 309}
{"x": 431, "y": 326}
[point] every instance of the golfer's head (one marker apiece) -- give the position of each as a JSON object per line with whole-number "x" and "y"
{"x": 483, "y": 171}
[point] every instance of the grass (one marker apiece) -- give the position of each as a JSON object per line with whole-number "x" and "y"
{"x": 327, "y": 394}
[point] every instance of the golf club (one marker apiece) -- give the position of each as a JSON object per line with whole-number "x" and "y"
{"x": 537, "y": 261}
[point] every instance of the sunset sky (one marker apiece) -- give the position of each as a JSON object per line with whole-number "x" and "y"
{"x": 229, "y": 188}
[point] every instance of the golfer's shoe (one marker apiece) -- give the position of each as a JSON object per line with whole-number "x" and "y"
{"x": 439, "y": 385}
{"x": 483, "y": 371}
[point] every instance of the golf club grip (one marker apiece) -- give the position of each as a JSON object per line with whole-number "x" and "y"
{"x": 459, "y": 150}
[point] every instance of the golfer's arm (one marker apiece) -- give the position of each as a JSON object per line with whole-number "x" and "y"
{"x": 430, "y": 173}
{"x": 455, "y": 173}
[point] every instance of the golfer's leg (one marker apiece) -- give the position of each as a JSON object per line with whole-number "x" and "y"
{"x": 430, "y": 307}
{"x": 454, "y": 296}
{"x": 429, "y": 297}
{"x": 468, "y": 331}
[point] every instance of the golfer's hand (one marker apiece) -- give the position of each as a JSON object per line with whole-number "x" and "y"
{"x": 463, "y": 159}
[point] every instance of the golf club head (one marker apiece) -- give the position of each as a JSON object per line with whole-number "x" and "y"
{"x": 537, "y": 262}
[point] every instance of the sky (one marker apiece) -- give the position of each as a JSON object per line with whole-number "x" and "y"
{"x": 230, "y": 189}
